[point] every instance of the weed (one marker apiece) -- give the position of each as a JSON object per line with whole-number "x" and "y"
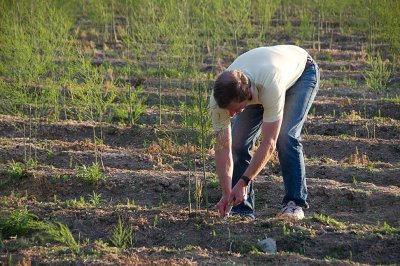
{"x": 61, "y": 233}
{"x": 213, "y": 181}
{"x": 14, "y": 171}
{"x": 31, "y": 163}
{"x": 135, "y": 102}
{"x": 59, "y": 178}
{"x": 288, "y": 27}
{"x": 101, "y": 243}
{"x": 378, "y": 73}
{"x": 19, "y": 222}
{"x": 294, "y": 239}
{"x": 130, "y": 203}
{"x": 313, "y": 111}
{"x": 352, "y": 116}
{"x": 387, "y": 229}
{"x": 122, "y": 236}
{"x": 395, "y": 100}
{"x": 287, "y": 231}
{"x": 76, "y": 203}
{"x": 98, "y": 141}
{"x": 13, "y": 200}
{"x": 50, "y": 154}
{"x": 155, "y": 222}
{"x": 95, "y": 199}
{"x": 90, "y": 175}
{"x": 358, "y": 159}
{"x": 306, "y": 27}
{"x": 328, "y": 221}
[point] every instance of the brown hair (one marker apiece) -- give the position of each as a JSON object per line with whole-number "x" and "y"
{"x": 231, "y": 85}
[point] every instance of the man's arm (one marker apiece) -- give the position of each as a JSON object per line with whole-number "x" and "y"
{"x": 224, "y": 166}
{"x": 270, "y": 133}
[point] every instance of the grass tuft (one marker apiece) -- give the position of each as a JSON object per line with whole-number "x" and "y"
{"x": 95, "y": 199}
{"x": 378, "y": 74}
{"x": 18, "y": 223}
{"x": 90, "y": 175}
{"x": 61, "y": 233}
{"x": 14, "y": 170}
{"x": 324, "y": 219}
{"x": 122, "y": 236}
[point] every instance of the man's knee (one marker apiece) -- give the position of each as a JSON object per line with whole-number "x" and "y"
{"x": 287, "y": 140}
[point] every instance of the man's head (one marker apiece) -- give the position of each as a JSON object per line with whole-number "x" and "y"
{"x": 231, "y": 85}
{"x": 232, "y": 90}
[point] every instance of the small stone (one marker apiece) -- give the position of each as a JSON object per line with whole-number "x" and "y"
{"x": 267, "y": 245}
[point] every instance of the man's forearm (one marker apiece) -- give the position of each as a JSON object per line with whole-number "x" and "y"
{"x": 224, "y": 167}
{"x": 264, "y": 152}
{"x": 260, "y": 159}
{"x": 223, "y": 159}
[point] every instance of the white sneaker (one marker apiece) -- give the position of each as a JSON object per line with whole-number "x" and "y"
{"x": 291, "y": 211}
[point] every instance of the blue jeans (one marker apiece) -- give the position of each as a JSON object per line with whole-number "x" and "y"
{"x": 246, "y": 128}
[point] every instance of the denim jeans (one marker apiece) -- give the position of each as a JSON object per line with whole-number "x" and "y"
{"x": 246, "y": 128}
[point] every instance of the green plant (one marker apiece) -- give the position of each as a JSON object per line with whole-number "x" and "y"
{"x": 328, "y": 221}
{"x": 14, "y": 170}
{"x": 61, "y": 233}
{"x": 19, "y": 222}
{"x": 95, "y": 199}
{"x": 386, "y": 229}
{"x": 130, "y": 203}
{"x": 90, "y": 175}
{"x": 288, "y": 27}
{"x": 76, "y": 203}
{"x": 133, "y": 101}
{"x": 122, "y": 236}
{"x": 287, "y": 230}
{"x": 306, "y": 27}
{"x": 395, "y": 99}
{"x": 378, "y": 73}
{"x": 50, "y": 154}
{"x": 31, "y": 163}
{"x": 213, "y": 181}
{"x": 155, "y": 222}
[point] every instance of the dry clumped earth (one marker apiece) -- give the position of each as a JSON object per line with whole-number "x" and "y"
{"x": 353, "y": 165}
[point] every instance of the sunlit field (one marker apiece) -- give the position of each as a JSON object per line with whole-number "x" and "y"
{"x": 106, "y": 145}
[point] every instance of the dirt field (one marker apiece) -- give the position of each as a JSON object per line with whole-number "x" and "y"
{"x": 352, "y": 147}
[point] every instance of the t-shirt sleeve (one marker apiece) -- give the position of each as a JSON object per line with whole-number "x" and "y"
{"x": 273, "y": 102}
{"x": 219, "y": 116}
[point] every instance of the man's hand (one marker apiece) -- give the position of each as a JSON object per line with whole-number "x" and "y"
{"x": 238, "y": 193}
{"x": 223, "y": 206}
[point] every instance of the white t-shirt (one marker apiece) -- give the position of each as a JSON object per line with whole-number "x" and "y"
{"x": 271, "y": 70}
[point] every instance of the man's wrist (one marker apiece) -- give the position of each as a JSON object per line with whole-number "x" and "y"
{"x": 246, "y": 180}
